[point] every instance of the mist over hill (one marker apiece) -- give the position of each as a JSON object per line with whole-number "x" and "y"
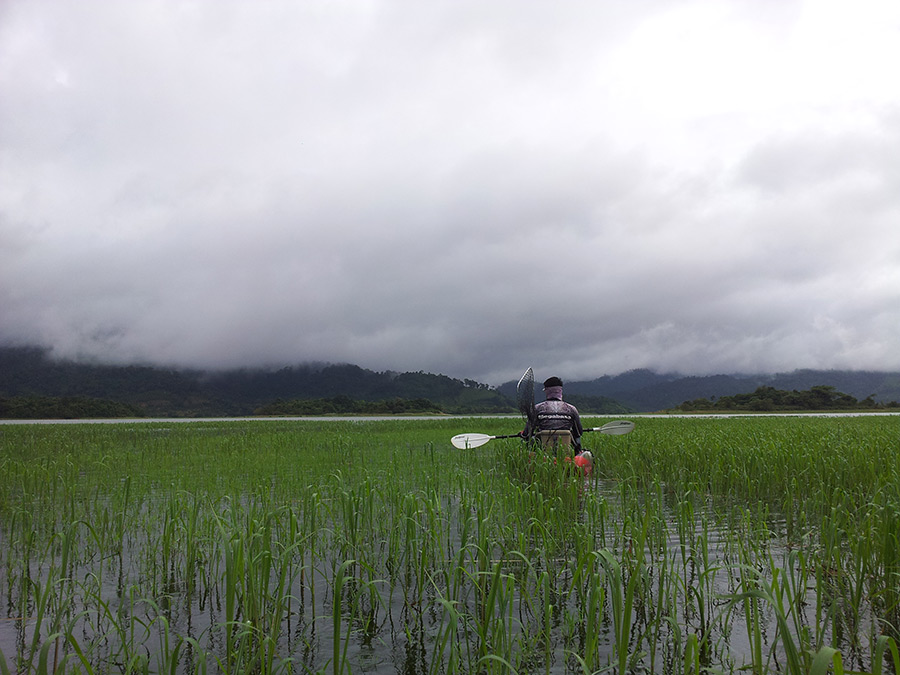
{"x": 156, "y": 391}
{"x": 192, "y": 393}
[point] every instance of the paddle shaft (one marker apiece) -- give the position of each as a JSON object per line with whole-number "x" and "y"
{"x": 476, "y": 440}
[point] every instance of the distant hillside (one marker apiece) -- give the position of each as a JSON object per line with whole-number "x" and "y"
{"x": 817, "y": 398}
{"x": 63, "y": 408}
{"x": 29, "y": 372}
{"x": 646, "y": 391}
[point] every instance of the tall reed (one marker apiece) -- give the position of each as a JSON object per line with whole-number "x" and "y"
{"x": 274, "y": 547}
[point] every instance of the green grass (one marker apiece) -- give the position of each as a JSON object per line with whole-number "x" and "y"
{"x": 723, "y": 545}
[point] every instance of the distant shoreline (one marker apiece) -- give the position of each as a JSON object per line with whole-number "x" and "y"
{"x": 388, "y": 418}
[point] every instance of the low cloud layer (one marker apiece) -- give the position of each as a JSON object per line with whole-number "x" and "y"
{"x": 453, "y": 187}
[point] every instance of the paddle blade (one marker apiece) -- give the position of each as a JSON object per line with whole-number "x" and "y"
{"x": 616, "y": 428}
{"x": 525, "y": 394}
{"x": 464, "y": 441}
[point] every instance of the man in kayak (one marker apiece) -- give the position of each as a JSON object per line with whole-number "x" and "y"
{"x": 554, "y": 414}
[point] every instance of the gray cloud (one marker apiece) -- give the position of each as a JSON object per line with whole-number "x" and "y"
{"x": 452, "y": 187}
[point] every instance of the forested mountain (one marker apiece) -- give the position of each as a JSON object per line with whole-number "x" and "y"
{"x": 770, "y": 399}
{"x": 27, "y": 372}
{"x": 29, "y": 379}
{"x": 64, "y": 408}
{"x": 646, "y": 391}
{"x": 31, "y": 373}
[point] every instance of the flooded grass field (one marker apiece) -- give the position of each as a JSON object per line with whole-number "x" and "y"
{"x": 746, "y": 545}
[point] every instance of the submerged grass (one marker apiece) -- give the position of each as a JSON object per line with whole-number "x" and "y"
{"x": 699, "y": 545}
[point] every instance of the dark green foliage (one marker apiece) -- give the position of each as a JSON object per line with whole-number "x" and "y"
{"x": 161, "y": 392}
{"x": 344, "y": 405}
{"x": 767, "y": 399}
{"x": 186, "y": 393}
{"x": 598, "y": 405}
{"x": 156, "y": 391}
{"x": 645, "y": 391}
{"x": 63, "y": 408}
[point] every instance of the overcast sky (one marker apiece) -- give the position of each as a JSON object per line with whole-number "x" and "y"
{"x": 460, "y": 187}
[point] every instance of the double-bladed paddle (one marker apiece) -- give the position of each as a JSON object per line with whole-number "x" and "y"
{"x": 464, "y": 441}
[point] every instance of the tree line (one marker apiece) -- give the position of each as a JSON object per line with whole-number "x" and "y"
{"x": 344, "y": 405}
{"x": 163, "y": 392}
{"x": 766, "y": 399}
{"x": 64, "y": 408}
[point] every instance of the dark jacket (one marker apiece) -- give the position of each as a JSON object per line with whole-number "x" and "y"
{"x": 555, "y": 414}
